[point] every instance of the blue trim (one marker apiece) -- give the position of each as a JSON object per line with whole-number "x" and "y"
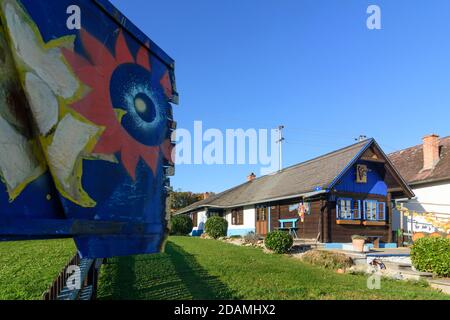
{"x": 122, "y": 20}
{"x": 196, "y": 233}
{"x": 359, "y": 209}
{"x": 350, "y": 164}
{"x": 339, "y": 246}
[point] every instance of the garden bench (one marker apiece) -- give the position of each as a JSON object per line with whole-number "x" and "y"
{"x": 293, "y": 226}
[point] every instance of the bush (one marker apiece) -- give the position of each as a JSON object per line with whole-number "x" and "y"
{"x": 251, "y": 238}
{"x": 216, "y": 227}
{"x": 181, "y": 225}
{"x": 279, "y": 241}
{"x": 328, "y": 260}
{"x": 432, "y": 255}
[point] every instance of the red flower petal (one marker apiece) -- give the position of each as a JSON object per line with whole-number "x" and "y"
{"x": 82, "y": 67}
{"x": 98, "y": 53}
{"x": 167, "y": 148}
{"x": 130, "y": 159}
{"x": 93, "y": 108}
{"x": 123, "y": 54}
{"x": 150, "y": 156}
{"x": 167, "y": 85}
{"x": 108, "y": 143}
{"x": 143, "y": 58}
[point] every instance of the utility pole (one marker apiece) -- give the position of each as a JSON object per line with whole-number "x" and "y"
{"x": 280, "y": 144}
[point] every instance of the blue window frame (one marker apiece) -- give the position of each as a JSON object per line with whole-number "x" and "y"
{"x": 374, "y": 210}
{"x": 348, "y": 209}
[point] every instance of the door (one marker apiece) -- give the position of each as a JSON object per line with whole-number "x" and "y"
{"x": 261, "y": 221}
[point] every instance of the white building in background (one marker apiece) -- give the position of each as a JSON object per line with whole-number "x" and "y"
{"x": 426, "y": 168}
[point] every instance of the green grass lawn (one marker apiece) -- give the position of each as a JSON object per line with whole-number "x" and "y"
{"x": 193, "y": 268}
{"x": 28, "y": 268}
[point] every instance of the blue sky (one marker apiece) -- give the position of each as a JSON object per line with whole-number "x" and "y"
{"x": 311, "y": 65}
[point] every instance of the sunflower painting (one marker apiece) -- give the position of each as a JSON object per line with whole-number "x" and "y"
{"x": 99, "y": 103}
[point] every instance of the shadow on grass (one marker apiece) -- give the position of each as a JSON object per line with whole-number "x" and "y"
{"x": 172, "y": 275}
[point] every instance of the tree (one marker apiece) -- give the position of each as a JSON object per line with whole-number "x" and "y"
{"x": 180, "y": 199}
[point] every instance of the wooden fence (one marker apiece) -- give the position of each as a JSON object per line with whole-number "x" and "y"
{"x": 88, "y": 272}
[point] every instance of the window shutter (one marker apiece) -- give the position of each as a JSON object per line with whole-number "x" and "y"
{"x": 381, "y": 211}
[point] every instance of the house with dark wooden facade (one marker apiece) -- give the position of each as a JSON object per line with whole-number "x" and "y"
{"x": 330, "y": 198}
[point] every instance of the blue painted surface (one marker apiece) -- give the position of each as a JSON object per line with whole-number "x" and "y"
{"x": 122, "y": 194}
{"x": 293, "y": 222}
{"x": 240, "y": 232}
{"x": 350, "y": 164}
{"x": 196, "y": 233}
{"x": 375, "y": 183}
{"x": 339, "y": 246}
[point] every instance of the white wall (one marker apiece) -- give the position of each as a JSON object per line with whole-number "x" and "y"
{"x": 249, "y": 222}
{"x": 201, "y": 220}
{"x": 429, "y": 199}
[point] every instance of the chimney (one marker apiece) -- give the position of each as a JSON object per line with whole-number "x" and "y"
{"x": 430, "y": 151}
{"x": 251, "y": 177}
{"x": 206, "y": 195}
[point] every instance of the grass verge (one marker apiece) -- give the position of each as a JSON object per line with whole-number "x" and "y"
{"x": 27, "y": 268}
{"x": 193, "y": 268}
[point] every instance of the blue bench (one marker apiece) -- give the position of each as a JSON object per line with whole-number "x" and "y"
{"x": 293, "y": 226}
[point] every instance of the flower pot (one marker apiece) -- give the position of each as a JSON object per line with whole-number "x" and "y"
{"x": 358, "y": 244}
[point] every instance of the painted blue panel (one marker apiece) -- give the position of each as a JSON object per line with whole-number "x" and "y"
{"x": 125, "y": 83}
{"x": 197, "y": 233}
{"x": 375, "y": 182}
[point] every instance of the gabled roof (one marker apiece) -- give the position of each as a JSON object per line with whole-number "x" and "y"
{"x": 409, "y": 162}
{"x": 309, "y": 178}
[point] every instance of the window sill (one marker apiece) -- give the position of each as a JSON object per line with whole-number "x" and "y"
{"x": 375, "y": 223}
{"x": 348, "y": 222}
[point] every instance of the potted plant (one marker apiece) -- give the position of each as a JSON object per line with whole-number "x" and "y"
{"x": 358, "y": 242}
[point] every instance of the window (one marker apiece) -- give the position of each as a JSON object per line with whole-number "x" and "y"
{"x": 214, "y": 214}
{"x": 237, "y": 217}
{"x": 348, "y": 209}
{"x": 261, "y": 214}
{"x": 370, "y": 210}
{"x": 345, "y": 209}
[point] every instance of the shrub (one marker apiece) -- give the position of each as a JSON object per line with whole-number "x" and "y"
{"x": 432, "y": 255}
{"x": 328, "y": 260}
{"x": 181, "y": 225}
{"x": 279, "y": 241}
{"x": 216, "y": 227}
{"x": 251, "y": 238}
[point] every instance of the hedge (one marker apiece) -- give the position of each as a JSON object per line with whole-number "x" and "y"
{"x": 278, "y": 241}
{"x": 181, "y": 225}
{"x": 216, "y": 227}
{"x": 432, "y": 255}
